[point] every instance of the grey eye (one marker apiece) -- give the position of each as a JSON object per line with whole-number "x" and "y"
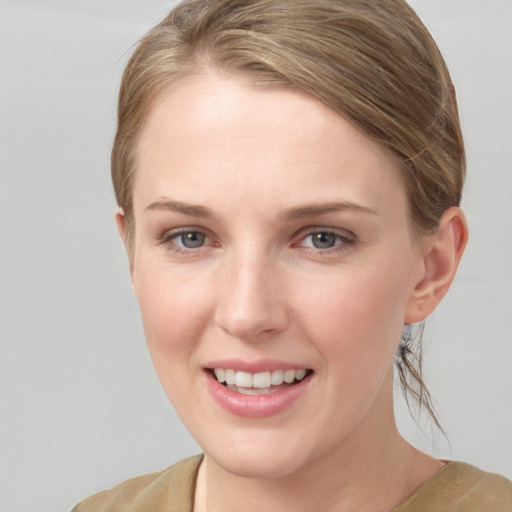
{"x": 192, "y": 239}
{"x": 323, "y": 240}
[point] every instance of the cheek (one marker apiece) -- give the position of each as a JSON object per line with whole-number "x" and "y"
{"x": 175, "y": 312}
{"x": 355, "y": 322}
{"x": 356, "y": 315}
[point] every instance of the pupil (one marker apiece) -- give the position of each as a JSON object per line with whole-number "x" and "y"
{"x": 323, "y": 240}
{"x": 192, "y": 239}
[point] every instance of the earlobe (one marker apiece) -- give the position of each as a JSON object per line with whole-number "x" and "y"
{"x": 440, "y": 263}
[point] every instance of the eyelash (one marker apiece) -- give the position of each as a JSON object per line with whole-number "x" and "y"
{"x": 167, "y": 240}
{"x": 342, "y": 241}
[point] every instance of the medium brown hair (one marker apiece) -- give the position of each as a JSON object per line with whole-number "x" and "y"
{"x": 373, "y": 62}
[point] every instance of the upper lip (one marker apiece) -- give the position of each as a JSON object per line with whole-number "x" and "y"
{"x": 254, "y": 366}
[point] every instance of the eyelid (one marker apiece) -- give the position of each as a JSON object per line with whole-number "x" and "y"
{"x": 311, "y": 230}
{"x": 346, "y": 237}
{"x": 168, "y": 236}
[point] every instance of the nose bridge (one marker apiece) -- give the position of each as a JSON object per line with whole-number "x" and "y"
{"x": 250, "y": 305}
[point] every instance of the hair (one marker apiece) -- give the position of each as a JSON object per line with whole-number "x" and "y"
{"x": 371, "y": 61}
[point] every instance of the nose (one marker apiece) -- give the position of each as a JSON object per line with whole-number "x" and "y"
{"x": 251, "y": 299}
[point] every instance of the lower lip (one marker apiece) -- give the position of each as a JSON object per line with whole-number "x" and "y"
{"x": 255, "y": 406}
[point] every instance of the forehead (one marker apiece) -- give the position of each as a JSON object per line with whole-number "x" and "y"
{"x": 213, "y": 133}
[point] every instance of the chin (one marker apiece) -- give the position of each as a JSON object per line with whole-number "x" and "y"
{"x": 257, "y": 467}
{"x": 260, "y": 460}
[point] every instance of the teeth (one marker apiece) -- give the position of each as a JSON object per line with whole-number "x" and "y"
{"x": 220, "y": 373}
{"x": 254, "y": 391}
{"x": 230, "y": 377}
{"x": 261, "y": 380}
{"x": 277, "y": 377}
{"x": 289, "y": 376}
{"x": 243, "y": 380}
{"x": 300, "y": 374}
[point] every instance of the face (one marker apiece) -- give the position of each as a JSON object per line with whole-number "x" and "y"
{"x": 273, "y": 248}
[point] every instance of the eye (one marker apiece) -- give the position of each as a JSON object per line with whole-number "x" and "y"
{"x": 190, "y": 239}
{"x": 324, "y": 240}
{"x": 184, "y": 240}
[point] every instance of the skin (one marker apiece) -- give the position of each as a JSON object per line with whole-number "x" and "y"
{"x": 255, "y": 164}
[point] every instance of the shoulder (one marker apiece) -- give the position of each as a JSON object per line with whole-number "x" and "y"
{"x": 463, "y": 488}
{"x": 171, "y": 489}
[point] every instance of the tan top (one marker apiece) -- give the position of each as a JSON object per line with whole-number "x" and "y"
{"x": 456, "y": 487}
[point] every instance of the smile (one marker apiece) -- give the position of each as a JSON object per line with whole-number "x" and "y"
{"x": 260, "y": 383}
{"x": 259, "y": 394}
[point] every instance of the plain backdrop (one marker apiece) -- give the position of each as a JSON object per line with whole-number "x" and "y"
{"x": 81, "y": 406}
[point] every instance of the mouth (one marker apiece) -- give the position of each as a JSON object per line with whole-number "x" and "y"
{"x": 261, "y": 383}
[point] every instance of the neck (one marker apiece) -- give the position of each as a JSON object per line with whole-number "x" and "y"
{"x": 374, "y": 469}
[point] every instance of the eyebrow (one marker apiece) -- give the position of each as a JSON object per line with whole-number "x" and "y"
{"x": 179, "y": 207}
{"x": 313, "y": 210}
{"x": 300, "y": 212}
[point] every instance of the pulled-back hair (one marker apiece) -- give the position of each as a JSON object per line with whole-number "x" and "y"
{"x": 372, "y": 61}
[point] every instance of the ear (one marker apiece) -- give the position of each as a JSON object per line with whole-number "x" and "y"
{"x": 442, "y": 254}
{"x": 121, "y": 229}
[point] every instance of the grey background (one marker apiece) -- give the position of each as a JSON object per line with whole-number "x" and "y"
{"x": 81, "y": 407}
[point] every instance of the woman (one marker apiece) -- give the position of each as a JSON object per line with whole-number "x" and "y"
{"x": 289, "y": 177}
